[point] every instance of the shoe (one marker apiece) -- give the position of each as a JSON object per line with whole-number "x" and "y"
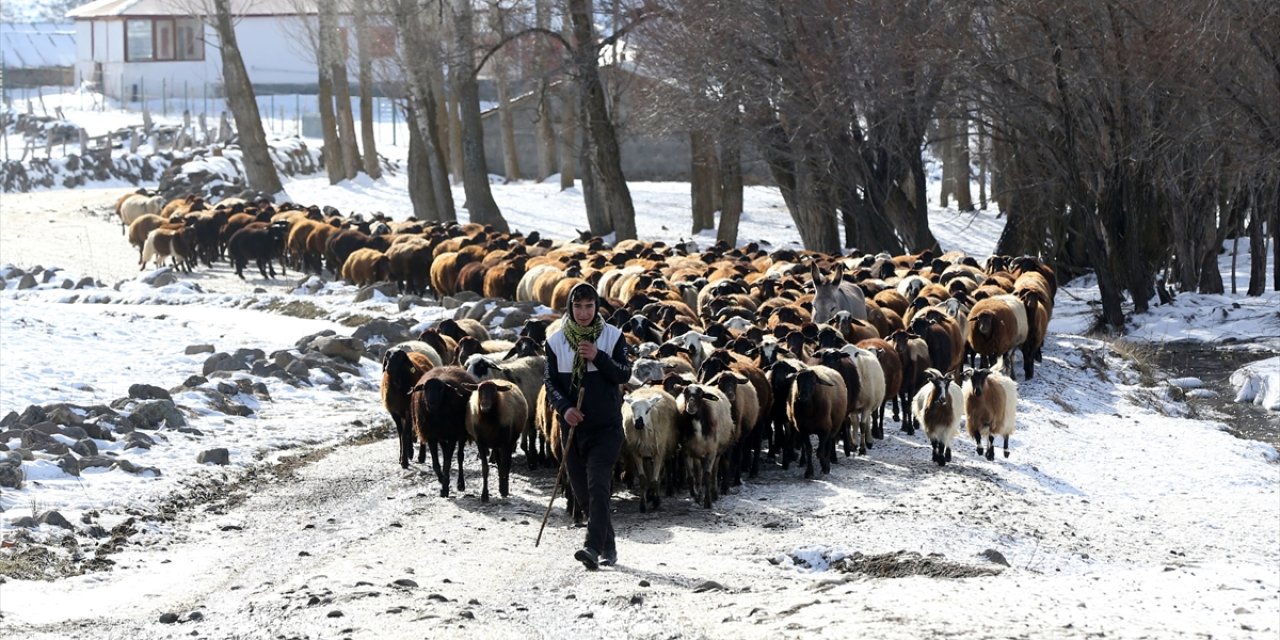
{"x": 588, "y": 557}
{"x": 609, "y": 558}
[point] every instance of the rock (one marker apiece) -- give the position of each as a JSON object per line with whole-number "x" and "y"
{"x": 194, "y": 381}
{"x": 148, "y": 392}
{"x": 408, "y": 301}
{"x": 69, "y": 464}
{"x": 387, "y": 289}
{"x": 56, "y": 519}
{"x": 63, "y": 413}
{"x": 709, "y": 585}
{"x": 991, "y": 555}
{"x": 304, "y": 343}
{"x": 298, "y": 369}
{"x": 222, "y": 361}
{"x": 95, "y": 461}
{"x": 32, "y": 415}
{"x": 139, "y": 440}
{"x": 151, "y": 414}
{"x": 25, "y": 454}
{"x": 74, "y": 432}
{"x": 283, "y": 358}
{"x": 97, "y": 431}
{"x": 54, "y": 448}
{"x": 95, "y": 531}
{"x": 248, "y": 356}
{"x": 334, "y": 614}
{"x": 32, "y": 439}
{"x": 514, "y": 319}
{"x": 404, "y": 582}
{"x": 26, "y": 282}
{"x": 264, "y": 368}
{"x": 135, "y": 469}
{"x": 219, "y": 456}
{"x": 86, "y": 282}
{"x": 168, "y": 618}
{"x": 195, "y": 616}
{"x": 477, "y": 310}
{"x": 194, "y": 349}
{"x": 389, "y": 331}
{"x": 26, "y": 522}
{"x": 47, "y": 427}
{"x": 9, "y": 419}
{"x": 317, "y": 361}
{"x": 162, "y": 279}
{"x": 11, "y": 475}
{"x": 450, "y": 302}
{"x": 348, "y": 349}
{"x": 85, "y": 447}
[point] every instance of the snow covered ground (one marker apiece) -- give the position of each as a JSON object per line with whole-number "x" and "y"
{"x": 1117, "y": 514}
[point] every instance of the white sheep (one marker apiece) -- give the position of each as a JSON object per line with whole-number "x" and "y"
{"x": 870, "y": 392}
{"x": 938, "y": 407}
{"x": 990, "y": 408}
{"x": 136, "y": 205}
{"x": 649, "y": 426}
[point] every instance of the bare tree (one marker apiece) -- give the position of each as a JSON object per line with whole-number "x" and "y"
{"x": 334, "y": 157}
{"x": 475, "y": 173}
{"x": 419, "y": 65}
{"x": 364, "y": 63}
{"x": 259, "y": 170}
{"x": 545, "y": 127}
{"x": 502, "y": 63}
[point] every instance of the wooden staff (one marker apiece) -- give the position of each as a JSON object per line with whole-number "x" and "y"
{"x": 564, "y": 455}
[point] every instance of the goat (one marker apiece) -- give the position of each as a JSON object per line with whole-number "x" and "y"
{"x": 937, "y": 406}
{"x": 990, "y": 408}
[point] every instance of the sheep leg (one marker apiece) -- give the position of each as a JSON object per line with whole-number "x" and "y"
{"x": 693, "y": 471}
{"x": 808, "y": 459}
{"x": 877, "y": 425}
{"x": 977, "y": 437}
{"x": 991, "y": 447}
{"x": 710, "y": 472}
{"x": 435, "y": 466}
{"x": 846, "y": 434}
{"x": 484, "y": 471}
{"x": 462, "y": 485}
{"x": 937, "y": 455}
{"x": 1028, "y": 360}
{"x": 422, "y": 452}
{"x": 946, "y": 452}
{"x": 644, "y": 471}
{"x": 826, "y": 454}
{"x": 1006, "y": 446}
{"x": 406, "y": 444}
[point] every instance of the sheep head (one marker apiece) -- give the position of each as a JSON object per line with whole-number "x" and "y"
{"x": 487, "y": 396}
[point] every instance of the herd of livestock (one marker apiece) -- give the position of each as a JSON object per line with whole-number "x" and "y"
{"x": 741, "y": 356}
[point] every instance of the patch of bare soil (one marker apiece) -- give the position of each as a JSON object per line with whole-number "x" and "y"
{"x": 902, "y": 564}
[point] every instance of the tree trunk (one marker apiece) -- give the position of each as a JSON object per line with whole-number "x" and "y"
{"x": 346, "y": 119}
{"x": 606, "y": 156}
{"x": 333, "y": 153}
{"x": 815, "y": 214}
{"x": 570, "y": 153}
{"x": 982, "y": 166}
{"x": 367, "y": 116}
{"x": 1264, "y": 200}
{"x": 546, "y": 135}
{"x": 259, "y": 170}
{"x": 421, "y": 190}
{"x": 960, "y": 158}
{"x": 945, "y": 149}
{"x": 598, "y": 221}
{"x": 730, "y": 188}
{"x": 475, "y": 171}
{"x": 422, "y": 106}
{"x": 456, "y": 166}
{"x": 703, "y": 182}
{"x": 502, "y": 62}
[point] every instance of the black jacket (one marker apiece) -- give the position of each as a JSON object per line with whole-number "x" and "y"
{"x": 602, "y": 402}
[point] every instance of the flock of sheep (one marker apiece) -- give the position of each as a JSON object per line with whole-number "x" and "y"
{"x": 739, "y": 354}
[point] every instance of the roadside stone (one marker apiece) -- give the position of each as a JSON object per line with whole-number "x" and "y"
{"x": 54, "y": 448}
{"x": 32, "y": 415}
{"x": 195, "y": 616}
{"x": 148, "y": 392}
{"x": 26, "y": 522}
{"x": 298, "y": 369}
{"x": 153, "y": 413}
{"x": 96, "y": 431}
{"x": 74, "y": 432}
{"x": 69, "y": 464}
{"x": 191, "y": 382}
{"x": 248, "y": 356}
{"x": 304, "y": 343}
{"x": 264, "y": 368}
{"x": 11, "y": 475}
{"x": 479, "y": 310}
{"x": 219, "y": 456}
{"x": 283, "y": 358}
{"x": 221, "y": 361}
{"x": 162, "y": 279}
{"x": 408, "y": 301}
{"x": 450, "y": 302}
{"x": 348, "y": 349}
{"x": 190, "y": 431}
{"x": 26, "y": 282}
{"x": 47, "y": 427}
{"x": 389, "y": 330}
{"x": 135, "y": 469}
{"x": 95, "y": 531}
{"x": 991, "y": 555}
{"x": 63, "y": 413}
{"x": 9, "y": 419}
{"x": 387, "y": 289}
{"x": 168, "y": 618}
{"x": 87, "y": 282}
{"x": 514, "y": 319}
{"x": 53, "y": 518}
{"x": 32, "y": 438}
{"x": 139, "y": 440}
{"x": 85, "y": 447}
{"x": 195, "y": 349}
{"x": 316, "y": 360}
{"x": 26, "y": 454}
{"x": 95, "y": 461}
{"x": 68, "y": 285}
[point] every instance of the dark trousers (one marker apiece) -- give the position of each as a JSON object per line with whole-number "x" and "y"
{"x": 589, "y": 462}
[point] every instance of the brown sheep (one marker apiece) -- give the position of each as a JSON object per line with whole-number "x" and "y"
{"x": 438, "y": 405}
{"x": 1037, "y": 327}
{"x": 990, "y": 408}
{"x": 410, "y": 263}
{"x": 913, "y": 353}
{"x": 165, "y": 243}
{"x": 892, "y": 367}
{"x": 817, "y": 405}
{"x": 997, "y": 326}
{"x": 141, "y": 228}
{"x": 503, "y": 279}
{"x": 401, "y": 369}
{"x": 365, "y": 267}
{"x": 496, "y": 415}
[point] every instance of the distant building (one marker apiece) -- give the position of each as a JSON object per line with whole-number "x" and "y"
{"x": 38, "y": 54}
{"x": 136, "y": 49}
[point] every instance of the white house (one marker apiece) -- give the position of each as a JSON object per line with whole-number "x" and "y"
{"x": 147, "y": 49}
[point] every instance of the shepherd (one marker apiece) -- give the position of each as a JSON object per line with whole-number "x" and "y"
{"x": 587, "y": 360}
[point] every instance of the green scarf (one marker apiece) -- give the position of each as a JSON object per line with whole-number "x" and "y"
{"x": 576, "y": 334}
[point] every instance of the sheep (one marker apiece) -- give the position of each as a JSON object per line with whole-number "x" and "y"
{"x": 165, "y": 243}
{"x": 997, "y": 326}
{"x": 990, "y": 408}
{"x": 420, "y": 347}
{"x": 697, "y": 345}
{"x": 365, "y": 267}
{"x": 913, "y": 353}
{"x": 340, "y": 245}
{"x": 527, "y": 373}
{"x": 891, "y": 365}
{"x": 135, "y": 205}
{"x": 651, "y": 435}
{"x": 1037, "y": 326}
{"x": 938, "y": 408}
{"x": 410, "y": 265}
{"x": 141, "y": 228}
{"x": 258, "y": 241}
{"x": 817, "y": 405}
{"x": 744, "y": 408}
{"x": 706, "y": 429}
{"x": 871, "y": 393}
{"x": 456, "y": 329}
{"x": 751, "y": 440}
{"x": 438, "y": 407}
{"x": 496, "y": 416}
{"x": 401, "y": 369}
{"x": 833, "y": 294}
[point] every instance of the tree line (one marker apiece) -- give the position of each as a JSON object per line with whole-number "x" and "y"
{"x": 1127, "y": 137}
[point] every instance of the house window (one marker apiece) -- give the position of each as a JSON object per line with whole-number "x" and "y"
{"x": 163, "y": 39}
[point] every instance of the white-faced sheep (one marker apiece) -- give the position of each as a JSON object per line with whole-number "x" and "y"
{"x": 990, "y": 408}
{"x": 439, "y": 410}
{"x": 706, "y": 431}
{"x": 937, "y": 406}
{"x": 818, "y": 404}
{"x": 997, "y": 327}
{"x": 496, "y": 416}
{"x": 401, "y": 369}
{"x": 649, "y": 426}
